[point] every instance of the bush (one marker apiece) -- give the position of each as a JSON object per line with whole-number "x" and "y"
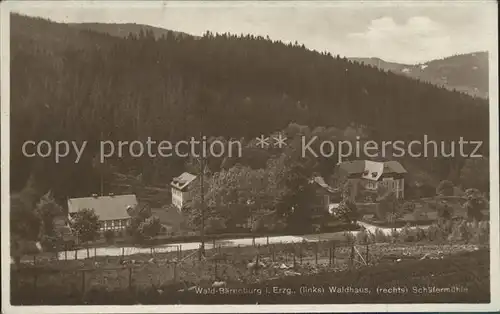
{"x": 394, "y": 236}
{"x": 215, "y": 225}
{"x": 480, "y": 233}
{"x": 362, "y": 237}
{"x": 445, "y": 188}
{"x": 349, "y": 237}
{"x": 109, "y": 235}
{"x": 419, "y": 233}
{"x": 407, "y": 234}
{"x": 446, "y": 225}
{"x": 460, "y": 232}
{"x": 381, "y": 212}
{"x": 418, "y": 215}
{"x": 380, "y": 236}
{"x": 259, "y": 226}
{"x": 280, "y": 225}
{"x": 444, "y": 211}
{"x": 408, "y": 207}
{"x": 441, "y": 230}
{"x": 435, "y": 233}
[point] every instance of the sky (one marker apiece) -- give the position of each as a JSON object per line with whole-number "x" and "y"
{"x": 402, "y": 31}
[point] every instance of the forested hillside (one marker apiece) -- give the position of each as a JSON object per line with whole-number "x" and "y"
{"x": 125, "y": 29}
{"x": 73, "y": 84}
{"x": 468, "y": 73}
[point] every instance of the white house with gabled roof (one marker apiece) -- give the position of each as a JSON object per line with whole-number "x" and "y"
{"x": 111, "y": 210}
{"x": 370, "y": 175}
{"x": 181, "y": 189}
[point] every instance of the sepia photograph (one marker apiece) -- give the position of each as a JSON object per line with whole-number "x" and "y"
{"x": 249, "y": 156}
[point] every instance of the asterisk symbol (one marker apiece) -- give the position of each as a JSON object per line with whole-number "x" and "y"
{"x": 280, "y": 141}
{"x": 262, "y": 141}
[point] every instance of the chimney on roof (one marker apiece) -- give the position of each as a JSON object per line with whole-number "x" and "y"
{"x": 94, "y": 195}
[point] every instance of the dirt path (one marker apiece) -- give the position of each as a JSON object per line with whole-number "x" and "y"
{"x": 126, "y": 251}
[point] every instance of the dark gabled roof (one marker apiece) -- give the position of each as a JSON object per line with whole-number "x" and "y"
{"x": 183, "y": 180}
{"x": 394, "y": 166}
{"x": 105, "y": 207}
{"x": 352, "y": 167}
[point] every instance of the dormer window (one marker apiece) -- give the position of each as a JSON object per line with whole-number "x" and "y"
{"x": 374, "y": 174}
{"x": 366, "y": 172}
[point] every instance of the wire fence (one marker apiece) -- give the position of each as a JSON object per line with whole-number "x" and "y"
{"x": 183, "y": 269}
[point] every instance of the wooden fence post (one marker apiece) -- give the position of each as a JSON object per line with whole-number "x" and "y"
{"x": 367, "y": 254}
{"x": 95, "y": 253}
{"x": 88, "y": 253}
{"x": 267, "y": 240}
{"x": 333, "y": 254}
{"x": 35, "y": 281}
{"x": 316, "y": 253}
{"x": 213, "y": 243}
{"x": 123, "y": 252}
{"x": 180, "y": 251}
{"x": 294, "y": 261}
{"x": 351, "y": 257}
{"x": 175, "y": 271}
{"x": 83, "y": 282}
{"x": 76, "y": 254}
{"x": 274, "y": 258}
{"x": 215, "y": 269}
{"x": 329, "y": 256}
{"x": 65, "y": 254}
{"x": 34, "y": 259}
{"x": 130, "y": 278}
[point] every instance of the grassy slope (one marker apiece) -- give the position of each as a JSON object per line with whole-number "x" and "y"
{"x": 469, "y": 270}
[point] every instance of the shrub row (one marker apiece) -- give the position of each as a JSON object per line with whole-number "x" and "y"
{"x": 441, "y": 231}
